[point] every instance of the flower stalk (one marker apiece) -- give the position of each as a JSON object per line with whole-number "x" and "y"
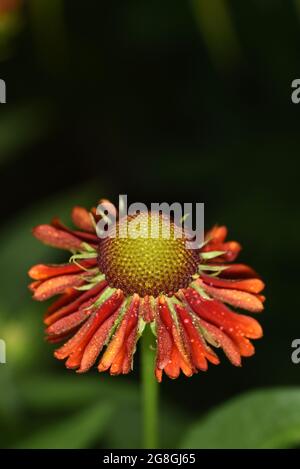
{"x": 149, "y": 391}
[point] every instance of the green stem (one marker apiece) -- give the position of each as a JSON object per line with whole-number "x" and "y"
{"x": 150, "y": 391}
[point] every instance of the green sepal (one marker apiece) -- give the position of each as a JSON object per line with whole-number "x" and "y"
{"x": 212, "y": 268}
{"x": 153, "y": 328}
{"x": 200, "y": 291}
{"x": 141, "y": 327}
{"x": 87, "y": 255}
{"x": 212, "y": 254}
{"x": 108, "y": 292}
{"x": 91, "y": 282}
{"x": 87, "y": 247}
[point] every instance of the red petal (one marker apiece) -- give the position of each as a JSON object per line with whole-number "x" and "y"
{"x": 69, "y": 295}
{"x": 115, "y": 352}
{"x": 96, "y": 343}
{"x": 239, "y": 299}
{"x": 89, "y": 238}
{"x": 79, "y": 341}
{"x": 238, "y": 271}
{"x": 218, "y": 314}
{"x": 236, "y": 326}
{"x": 225, "y": 342}
{"x": 231, "y": 248}
{"x": 66, "y": 324}
{"x": 74, "y": 305}
{"x": 34, "y": 285}
{"x": 179, "y": 358}
{"x": 200, "y": 351}
{"x": 129, "y": 350}
{"x": 217, "y": 234}
{"x": 83, "y": 219}
{"x": 57, "y": 238}
{"x": 164, "y": 343}
{"x": 146, "y": 309}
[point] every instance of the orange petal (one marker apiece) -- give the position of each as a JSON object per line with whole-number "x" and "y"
{"x": 57, "y": 285}
{"x": 96, "y": 344}
{"x": 217, "y": 234}
{"x": 44, "y": 271}
{"x": 239, "y": 299}
{"x": 253, "y": 285}
{"x": 116, "y": 344}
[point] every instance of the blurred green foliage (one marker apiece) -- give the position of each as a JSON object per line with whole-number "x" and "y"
{"x": 172, "y": 100}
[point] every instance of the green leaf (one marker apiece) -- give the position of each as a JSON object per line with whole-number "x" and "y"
{"x": 260, "y": 419}
{"x": 76, "y": 432}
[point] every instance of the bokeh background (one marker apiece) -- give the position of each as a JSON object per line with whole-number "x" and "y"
{"x": 164, "y": 101}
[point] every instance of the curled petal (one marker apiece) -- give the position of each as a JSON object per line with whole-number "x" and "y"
{"x": 70, "y": 295}
{"x": 119, "y": 351}
{"x": 90, "y": 238}
{"x": 75, "y": 347}
{"x": 57, "y": 285}
{"x": 217, "y": 313}
{"x": 44, "y": 271}
{"x": 34, "y": 285}
{"x": 57, "y": 238}
{"x": 239, "y": 299}
{"x": 199, "y": 350}
{"x": 83, "y": 219}
{"x": 238, "y": 327}
{"x": 177, "y": 358}
{"x": 216, "y": 242}
{"x": 68, "y": 323}
{"x": 238, "y": 271}
{"x": 72, "y": 306}
{"x": 147, "y": 309}
{"x": 177, "y": 363}
{"x": 217, "y": 234}
{"x": 96, "y": 344}
{"x": 253, "y": 285}
{"x": 224, "y": 341}
{"x": 232, "y": 250}
{"x": 164, "y": 343}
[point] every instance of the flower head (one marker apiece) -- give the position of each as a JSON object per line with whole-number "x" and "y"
{"x": 113, "y": 286}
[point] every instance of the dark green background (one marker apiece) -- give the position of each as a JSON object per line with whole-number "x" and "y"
{"x": 164, "y": 101}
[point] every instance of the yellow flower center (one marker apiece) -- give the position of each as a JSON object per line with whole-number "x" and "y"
{"x": 147, "y": 255}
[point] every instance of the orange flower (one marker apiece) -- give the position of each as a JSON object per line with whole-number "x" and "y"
{"x": 112, "y": 287}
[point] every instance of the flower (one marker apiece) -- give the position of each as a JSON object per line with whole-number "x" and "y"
{"x": 112, "y": 287}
